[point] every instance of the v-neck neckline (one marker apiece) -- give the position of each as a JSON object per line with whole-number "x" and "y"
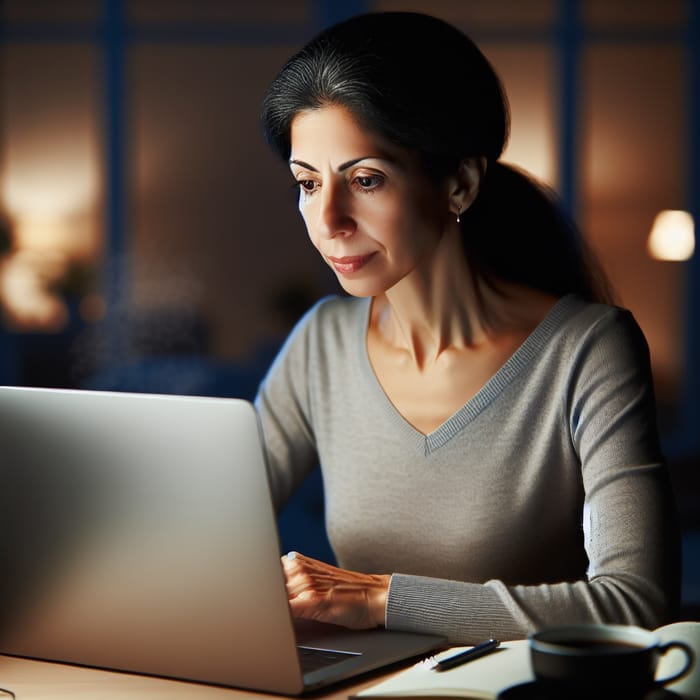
{"x": 521, "y": 357}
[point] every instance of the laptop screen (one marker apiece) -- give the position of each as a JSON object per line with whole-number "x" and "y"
{"x": 140, "y": 535}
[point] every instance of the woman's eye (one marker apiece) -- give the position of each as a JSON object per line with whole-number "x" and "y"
{"x": 306, "y": 185}
{"x": 369, "y": 182}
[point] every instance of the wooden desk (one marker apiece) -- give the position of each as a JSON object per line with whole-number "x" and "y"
{"x": 41, "y": 680}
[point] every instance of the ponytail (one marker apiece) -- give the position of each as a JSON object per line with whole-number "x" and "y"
{"x": 517, "y": 230}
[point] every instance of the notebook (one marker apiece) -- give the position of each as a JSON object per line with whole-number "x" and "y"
{"x": 139, "y": 535}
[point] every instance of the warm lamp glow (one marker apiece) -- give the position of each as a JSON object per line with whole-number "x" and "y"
{"x": 27, "y": 302}
{"x": 49, "y": 180}
{"x": 672, "y": 236}
{"x": 49, "y": 189}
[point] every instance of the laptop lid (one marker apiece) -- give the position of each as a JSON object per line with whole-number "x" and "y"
{"x": 139, "y": 535}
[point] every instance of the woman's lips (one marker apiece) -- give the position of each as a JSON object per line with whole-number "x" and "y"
{"x": 349, "y": 264}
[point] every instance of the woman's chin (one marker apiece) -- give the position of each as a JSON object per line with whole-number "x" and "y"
{"x": 360, "y": 288}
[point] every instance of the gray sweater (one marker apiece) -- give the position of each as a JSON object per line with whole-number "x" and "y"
{"x": 545, "y": 499}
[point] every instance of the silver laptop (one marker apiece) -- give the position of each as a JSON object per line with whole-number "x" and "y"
{"x": 138, "y": 534}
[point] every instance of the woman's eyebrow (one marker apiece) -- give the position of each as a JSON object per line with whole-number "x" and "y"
{"x": 302, "y": 164}
{"x": 342, "y": 166}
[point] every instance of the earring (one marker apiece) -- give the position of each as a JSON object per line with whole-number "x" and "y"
{"x": 459, "y": 211}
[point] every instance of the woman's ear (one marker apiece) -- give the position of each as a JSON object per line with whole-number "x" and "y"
{"x": 465, "y": 183}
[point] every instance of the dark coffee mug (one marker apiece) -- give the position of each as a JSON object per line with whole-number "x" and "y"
{"x": 617, "y": 659}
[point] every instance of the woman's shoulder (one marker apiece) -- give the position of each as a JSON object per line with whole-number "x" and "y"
{"x": 337, "y": 311}
{"x": 582, "y": 320}
{"x": 576, "y": 310}
{"x": 330, "y": 322}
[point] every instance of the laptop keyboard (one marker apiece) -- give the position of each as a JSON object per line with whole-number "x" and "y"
{"x": 313, "y": 659}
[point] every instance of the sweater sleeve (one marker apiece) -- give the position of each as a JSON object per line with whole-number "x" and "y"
{"x": 284, "y": 413}
{"x": 628, "y": 522}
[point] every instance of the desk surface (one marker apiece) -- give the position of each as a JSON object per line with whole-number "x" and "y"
{"x": 38, "y": 680}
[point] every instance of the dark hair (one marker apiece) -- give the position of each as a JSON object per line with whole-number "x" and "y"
{"x": 422, "y": 84}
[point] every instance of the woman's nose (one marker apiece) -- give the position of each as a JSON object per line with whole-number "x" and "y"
{"x": 334, "y": 217}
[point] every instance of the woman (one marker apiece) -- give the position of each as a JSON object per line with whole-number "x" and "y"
{"x": 483, "y": 415}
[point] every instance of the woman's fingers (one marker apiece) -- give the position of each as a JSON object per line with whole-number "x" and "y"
{"x": 320, "y": 591}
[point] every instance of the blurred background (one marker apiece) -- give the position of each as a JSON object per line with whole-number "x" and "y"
{"x": 149, "y": 241}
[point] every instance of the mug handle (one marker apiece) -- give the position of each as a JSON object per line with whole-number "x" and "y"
{"x": 689, "y": 661}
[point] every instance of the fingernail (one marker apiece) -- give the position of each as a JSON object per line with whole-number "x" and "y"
{"x": 291, "y": 555}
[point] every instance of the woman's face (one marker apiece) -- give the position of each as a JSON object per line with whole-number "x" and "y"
{"x": 374, "y": 217}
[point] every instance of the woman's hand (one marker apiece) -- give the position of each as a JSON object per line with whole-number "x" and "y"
{"x": 322, "y": 592}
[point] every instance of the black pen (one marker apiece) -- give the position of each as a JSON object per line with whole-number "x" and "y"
{"x": 467, "y": 655}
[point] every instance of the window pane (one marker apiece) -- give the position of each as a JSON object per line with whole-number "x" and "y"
{"x": 50, "y": 177}
{"x": 634, "y": 166}
{"x": 479, "y": 13}
{"x": 50, "y": 10}
{"x": 633, "y": 13}
{"x": 527, "y": 72}
{"x": 279, "y": 12}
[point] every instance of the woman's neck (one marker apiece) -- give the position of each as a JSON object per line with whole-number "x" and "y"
{"x": 440, "y": 309}
{"x": 432, "y": 309}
